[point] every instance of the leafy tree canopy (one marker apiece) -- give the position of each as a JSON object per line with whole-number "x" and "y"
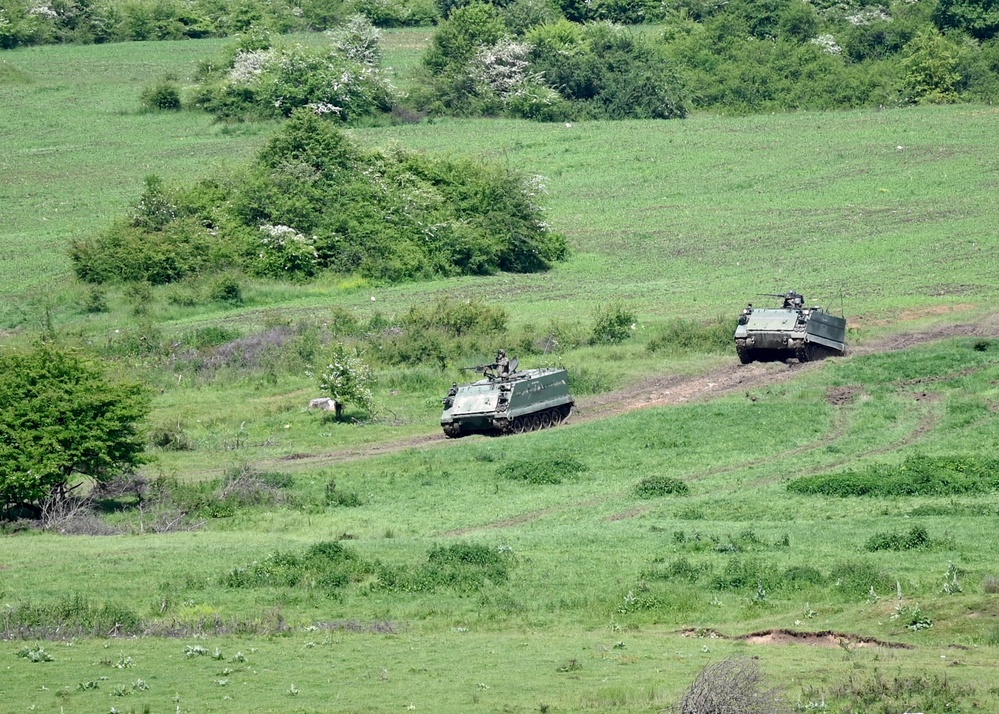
{"x": 61, "y": 419}
{"x": 979, "y": 18}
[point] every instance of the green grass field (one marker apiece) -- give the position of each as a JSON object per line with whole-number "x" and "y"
{"x": 607, "y": 601}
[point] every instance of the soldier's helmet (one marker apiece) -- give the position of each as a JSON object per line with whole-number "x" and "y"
{"x": 501, "y": 353}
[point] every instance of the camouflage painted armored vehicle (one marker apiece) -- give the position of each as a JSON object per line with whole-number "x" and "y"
{"x": 507, "y": 400}
{"x": 793, "y": 330}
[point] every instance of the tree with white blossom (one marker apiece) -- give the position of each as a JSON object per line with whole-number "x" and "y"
{"x": 346, "y": 379}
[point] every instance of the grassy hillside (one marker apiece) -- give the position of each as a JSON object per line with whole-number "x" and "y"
{"x": 531, "y": 573}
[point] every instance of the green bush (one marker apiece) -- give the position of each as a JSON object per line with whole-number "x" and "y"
{"x": 555, "y": 72}
{"x": 543, "y": 470}
{"x": 342, "y": 82}
{"x": 312, "y": 202}
{"x": 657, "y": 486}
{"x": 464, "y": 567}
{"x": 917, "y": 475}
{"x": 917, "y": 537}
{"x": 325, "y": 566}
{"x": 613, "y": 325}
{"x": 162, "y": 96}
{"x": 457, "y": 317}
{"x": 226, "y": 289}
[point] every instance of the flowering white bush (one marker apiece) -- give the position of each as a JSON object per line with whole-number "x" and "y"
{"x": 284, "y": 252}
{"x": 868, "y": 16}
{"x": 248, "y": 66}
{"x": 503, "y": 70}
{"x": 346, "y": 379}
{"x": 341, "y": 81}
{"x": 828, "y": 44}
{"x": 358, "y": 40}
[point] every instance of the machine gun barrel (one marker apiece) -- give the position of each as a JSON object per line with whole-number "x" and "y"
{"x": 476, "y": 368}
{"x": 780, "y": 295}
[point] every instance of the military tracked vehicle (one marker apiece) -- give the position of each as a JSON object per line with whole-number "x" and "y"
{"x": 790, "y": 331}
{"x": 507, "y": 401}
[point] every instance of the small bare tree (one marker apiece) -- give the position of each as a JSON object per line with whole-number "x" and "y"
{"x": 732, "y": 686}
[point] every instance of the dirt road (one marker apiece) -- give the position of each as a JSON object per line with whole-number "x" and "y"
{"x": 673, "y": 390}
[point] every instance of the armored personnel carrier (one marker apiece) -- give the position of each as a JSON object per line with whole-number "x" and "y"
{"x": 507, "y": 401}
{"x": 791, "y": 331}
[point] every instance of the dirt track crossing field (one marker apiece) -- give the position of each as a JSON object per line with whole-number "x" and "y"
{"x": 674, "y": 390}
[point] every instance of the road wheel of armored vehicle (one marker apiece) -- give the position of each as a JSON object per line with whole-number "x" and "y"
{"x": 546, "y": 420}
{"x": 452, "y": 431}
{"x": 556, "y": 416}
{"x": 535, "y": 422}
{"x": 745, "y": 354}
{"x": 519, "y": 426}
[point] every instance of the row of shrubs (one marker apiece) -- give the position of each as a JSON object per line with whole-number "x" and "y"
{"x": 437, "y": 336}
{"x": 854, "y": 579}
{"x": 741, "y": 56}
{"x": 26, "y": 22}
{"x": 917, "y": 475}
{"x": 314, "y": 202}
{"x": 29, "y": 22}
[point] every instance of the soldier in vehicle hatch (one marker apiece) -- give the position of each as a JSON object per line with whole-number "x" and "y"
{"x": 502, "y": 364}
{"x": 794, "y": 301}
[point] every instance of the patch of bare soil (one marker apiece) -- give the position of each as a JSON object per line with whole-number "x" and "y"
{"x": 780, "y": 636}
{"x": 839, "y": 396}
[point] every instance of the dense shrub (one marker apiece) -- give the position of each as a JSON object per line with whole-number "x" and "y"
{"x": 313, "y": 202}
{"x": 98, "y": 21}
{"x": 606, "y": 71}
{"x": 613, "y": 325}
{"x": 917, "y": 537}
{"x": 456, "y": 317}
{"x": 326, "y": 565}
{"x": 917, "y": 475}
{"x": 656, "y": 486}
{"x": 976, "y": 18}
{"x": 343, "y": 82}
{"x": 161, "y": 96}
{"x": 555, "y": 72}
{"x": 61, "y": 420}
{"x": 543, "y": 469}
{"x": 464, "y": 567}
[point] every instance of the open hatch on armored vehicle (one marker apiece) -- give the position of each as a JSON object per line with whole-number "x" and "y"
{"x": 510, "y": 401}
{"x": 790, "y": 331}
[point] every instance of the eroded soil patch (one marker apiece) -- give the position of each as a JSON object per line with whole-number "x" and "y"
{"x": 781, "y": 636}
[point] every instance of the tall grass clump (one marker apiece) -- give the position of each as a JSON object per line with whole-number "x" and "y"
{"x": 70, "y": 615}
{"x": 681, "y": 336}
